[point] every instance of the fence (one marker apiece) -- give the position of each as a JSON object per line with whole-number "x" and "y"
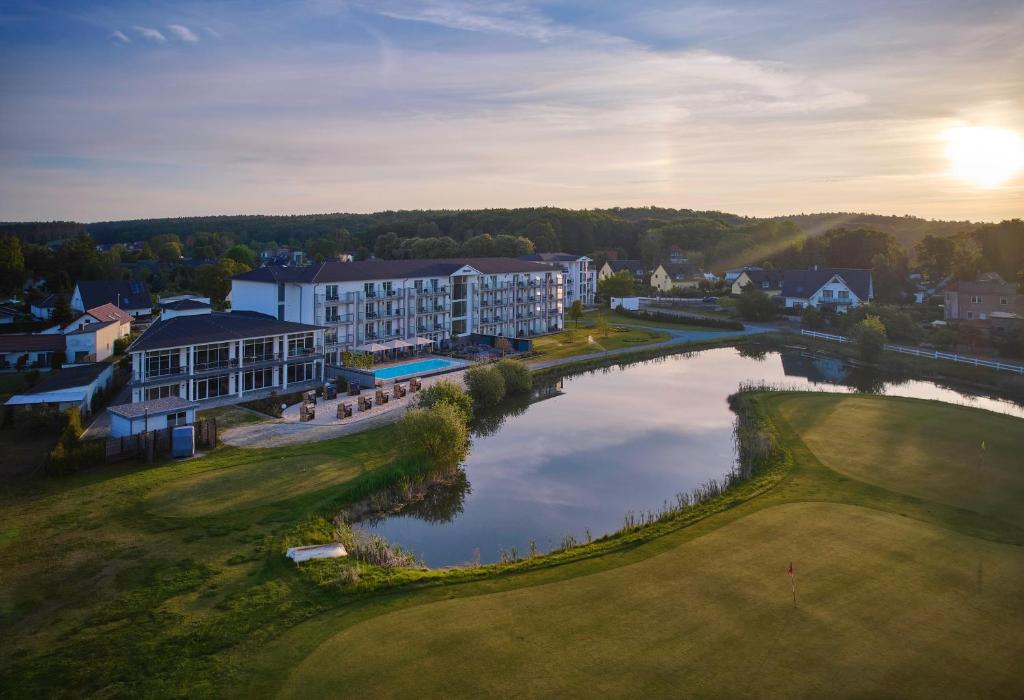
{"x": 931, "y": 354}
{"x": 154, "y": 442}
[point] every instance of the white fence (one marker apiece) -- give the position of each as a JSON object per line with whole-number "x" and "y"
{"x": 932, "y": 354}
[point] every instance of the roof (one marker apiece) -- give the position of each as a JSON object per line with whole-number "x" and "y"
{"x": 983, "y": 287}
{"x": 153, "y": 407}
{"x": 552, "y": 257}
{"x": 634, "y": 266}
{"x": 49, "y": 302}
{"x": 124, "y": 294}
{"x": 334, "y": 271}
{"x": 31, "y": 342}
{"x": 759, "y": 276}
{"x": 185, "y": 305}
{"x": 681, "y": 270}
{"x": 212, "y": 328}
{"x": 9, "y": 310}
{"x": 70, "y": 378}
{"x": 109, "y": 312}
{"x": 91, "y": 327}
{"x": 801, "y": 284}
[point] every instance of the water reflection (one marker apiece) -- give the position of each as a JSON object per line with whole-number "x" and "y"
{"x": 581, "y": 453}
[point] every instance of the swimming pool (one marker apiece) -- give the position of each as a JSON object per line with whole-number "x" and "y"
{"x": 417, "y": 368}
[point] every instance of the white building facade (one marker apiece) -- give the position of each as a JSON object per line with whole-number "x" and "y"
{"x": 224, "y": 355}
{"x": 380, "y": 300}
{"x": 579, "y": 279}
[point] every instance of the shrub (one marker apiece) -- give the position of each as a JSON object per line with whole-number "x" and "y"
{"x": 486, "y": 386}
{"x": 705, "y": 321}
{"x": 447, "y": 391}
{"x": 438, "y": 434}
{"x": 811, "y": 318}
{"x": 755, "y": 305}
{"x": 871, "y": 338}
{"x": 516, "y": 375}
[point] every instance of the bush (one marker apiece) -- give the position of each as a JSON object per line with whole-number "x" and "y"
{"x": 447, "y": 391}
{"x": 705, "y": 321}
{"x": 755, "y": 305}
{"x": 871, "y": 338}
{"x": 516, "y": 375}
{"x": 812, "y": 319}
{"x": 486, "y": 386}
{"x": 438, "y": 434}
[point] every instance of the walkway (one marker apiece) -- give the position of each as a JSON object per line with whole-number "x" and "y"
{"x": 287, "y": 430}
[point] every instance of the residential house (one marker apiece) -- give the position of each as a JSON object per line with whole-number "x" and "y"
{"x": 43, "y": 308}
{"x": 768, "y": 281}
{"x": 731, "y": 275}
{"x": 827, "y": 288}
{"x": 579, "y": 281}
{"x": 38, "y": 349}
{"x": 102, "y": 314}
{"x": 184, "y": 305}
{"x": 8, "y": 314}
{"x": 92, "y": 342}
{"x": 437, "y": 301}
{"x": 224, "y": 355}
{"x": 681, "y": 275}
{"x": 132, "y": 297}
{"x": 989, "y": 301}
{"x": 155, "y": 414}
{"x": 634, "y": 267}
{"x": 71, "y": 387}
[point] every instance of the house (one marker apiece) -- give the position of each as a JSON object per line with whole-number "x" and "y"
{"x": 184, "y": 307}
{"x": 224, "y": 354}
{"x": 71, "y": 387}
{"x": 731, "y": 275}
{"x": 578, "y": 280}
{"x": 634, "y": 267}
{"x": 102, "y": 314}
{"x": 438, "y": 301}
{"x": 43, "y": 308}
{"x": 988, "y": 301}
{"x": 676, "y": 255}
{"x": 92, "y": 342}
{"x": 828, "y": 288}
{"x": 669, "y": 276}
{"x": 156, "y": 414}
{"x": 39, "y": 350}
{"x": 768, "y": 281}
{"x": 129, "y": 296}
{"x": 8, "y": 314}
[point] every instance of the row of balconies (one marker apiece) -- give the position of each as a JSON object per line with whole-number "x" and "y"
{"x": 206, "y": 368}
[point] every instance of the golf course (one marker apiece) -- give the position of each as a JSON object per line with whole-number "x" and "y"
{"x": 903, "y": 520}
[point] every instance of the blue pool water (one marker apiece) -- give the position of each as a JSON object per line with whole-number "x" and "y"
{"x": 412, "y": 369}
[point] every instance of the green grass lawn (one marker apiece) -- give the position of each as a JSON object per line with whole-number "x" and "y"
{"x": 615, "y": 318}
{"x": 586, "y": 340}
{"x": 169, "y": 581}
{"x": 232, "y": 416}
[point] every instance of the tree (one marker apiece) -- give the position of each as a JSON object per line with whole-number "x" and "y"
{"x": 439, "y": 434}
{"x": 169, "y": 252}
{"x": 12, "y": 266}
{"x": 486, "y": 386}
{"x": 576, "y": 312}
{"x": 618, "y": 285}
{"x": 516, "y": 375}
{"x": 755, "y": 305}
{"x": 387, "y": 245}
{"x": 243, "y": 254}
{"x": 652, "y": 248}
{"x": 215, "y": 280}
{"x": 601, "y": 327}
{"x": 482, "y": 246}
{"x": 542, "y": 235}
{"x": 812, "y": 319}
{"x": 447, "y": 391}
{"x": 871, "y": 338}
{"x": 61, "y": 310}
{"x": 503, "y": 344}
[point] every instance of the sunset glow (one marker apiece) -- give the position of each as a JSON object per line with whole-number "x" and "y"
{"x": 984, "y": 156}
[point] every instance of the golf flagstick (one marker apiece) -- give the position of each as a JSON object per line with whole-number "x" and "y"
{"x": 792, "y": 581}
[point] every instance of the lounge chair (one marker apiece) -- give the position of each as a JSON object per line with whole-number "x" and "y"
{"x": 344, "y": 410}
{"x": 414, "y": 384}
{"x": 365, "y": 404}
{"x": 353, "y": 389}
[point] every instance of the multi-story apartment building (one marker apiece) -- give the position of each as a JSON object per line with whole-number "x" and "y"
{"x": 224, "y": 354}
{"x": 989, "y": 300}
{"x": 578, "y": 279}
{"x": 379, "y": 300}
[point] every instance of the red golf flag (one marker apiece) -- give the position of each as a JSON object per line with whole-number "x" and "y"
{"x": 790, "y": 572}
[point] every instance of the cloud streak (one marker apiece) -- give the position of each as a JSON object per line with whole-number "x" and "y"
{"x": 183, "y": 33}
{"x": 150, "y": 34}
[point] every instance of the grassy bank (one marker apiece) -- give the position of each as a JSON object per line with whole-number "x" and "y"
{"x": 586, "y": 340}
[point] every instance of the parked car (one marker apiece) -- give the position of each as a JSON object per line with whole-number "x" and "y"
{"x": 710, "y": 300}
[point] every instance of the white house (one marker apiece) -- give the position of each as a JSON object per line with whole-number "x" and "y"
{"x": 71, "y": 387}
{"x": 579, "y": 281}
{"x": 92, "y": 342}
{"x": 409, "y": 300}
{"x": 130, "y": 296}
{"x": 184, "y": 307}
{"x": 38, "y": 349}
{"x": 224, "y": 355}
{"x": 157, "y": 414}
{"x": 102, "y": 314}
{"x": 43, "y": 308}
{"x": 830, "y": 288}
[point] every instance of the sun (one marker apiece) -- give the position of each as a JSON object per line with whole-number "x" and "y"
{"x": 984, "y": 156}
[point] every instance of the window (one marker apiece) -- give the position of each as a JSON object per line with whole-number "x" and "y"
{"x": 827, "y": 294}
{"x": 331, "y": 315}
{"x": 212, "y": 356}
{"x": 332, "y": 292}
{"x": 368, "y": 289}
{"x": 280, "y": 293}
{"x": 300, "y": 372}
{"x": 418, "y": 284}
{"x": 843, "y": 294}
{"x": 280, "y": 312}
{"x": 1003, "y": 301}
{"x": 212, "y": 387}
{"x": 258, "y": 350}
{"x": 387, "y": 288}
{"x": 970, "y": 315}
{"x": 368, "y": 330}
{"x": 163, "y": 392}
{"x": 176, "y": 419}
{"x": 162, "y": 362}
{"x": 976, "y": 300}
{"x": 300, "y": 344}
{"x": 257, "y": 379}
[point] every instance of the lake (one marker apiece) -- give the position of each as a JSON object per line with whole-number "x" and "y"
{"x": 595, "y": 446}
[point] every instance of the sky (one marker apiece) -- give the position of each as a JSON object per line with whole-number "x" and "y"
{"x": 143, "y": 109}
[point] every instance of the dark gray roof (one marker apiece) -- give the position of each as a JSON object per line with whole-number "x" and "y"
{"x": 213, "y": 328}
{"x": 121, "y": 293}
{"x": 983, "y": 287}
{"x": 680, "y": 271}
{"x": 49, "y": 302}
{"x": 69, "y": 378}
{"x": 801, "y": 284}
{"x": 759, "y": 276}
{"x": 91, "y": 327}
{"x": 31, "y": 342}
{"x": 551, "y": 257}
{"x": 153, "y": 407}
{"x": 185, "y": 305}
{"x": 634, "y": 266}
{"x": 333, "y": 271}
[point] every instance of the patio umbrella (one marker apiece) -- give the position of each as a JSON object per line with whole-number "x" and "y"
{"x": 422, "y": 341}
{"x": 373, "y": 347}
{"x": 398, "y": 344}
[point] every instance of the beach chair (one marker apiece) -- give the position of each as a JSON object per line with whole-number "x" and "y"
{"x": 414, "y": 384}
{"x": 365, "y": 404}
{"x": 330, "y": 392}
{"x": 344, "y": 410}
{"x": 353, "y": 389}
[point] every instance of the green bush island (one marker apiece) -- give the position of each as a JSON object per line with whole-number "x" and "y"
{"x": 516, "y": 375}
{"x": 486, "y": 386}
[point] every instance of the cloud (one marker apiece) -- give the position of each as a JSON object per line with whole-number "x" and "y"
{"x": 119, "y": 37}
{"x": 183, "y": 33}
{"x": 150, "y": 34}
{"x": 513, "y": 18}
{"x": 213, "y": 32}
